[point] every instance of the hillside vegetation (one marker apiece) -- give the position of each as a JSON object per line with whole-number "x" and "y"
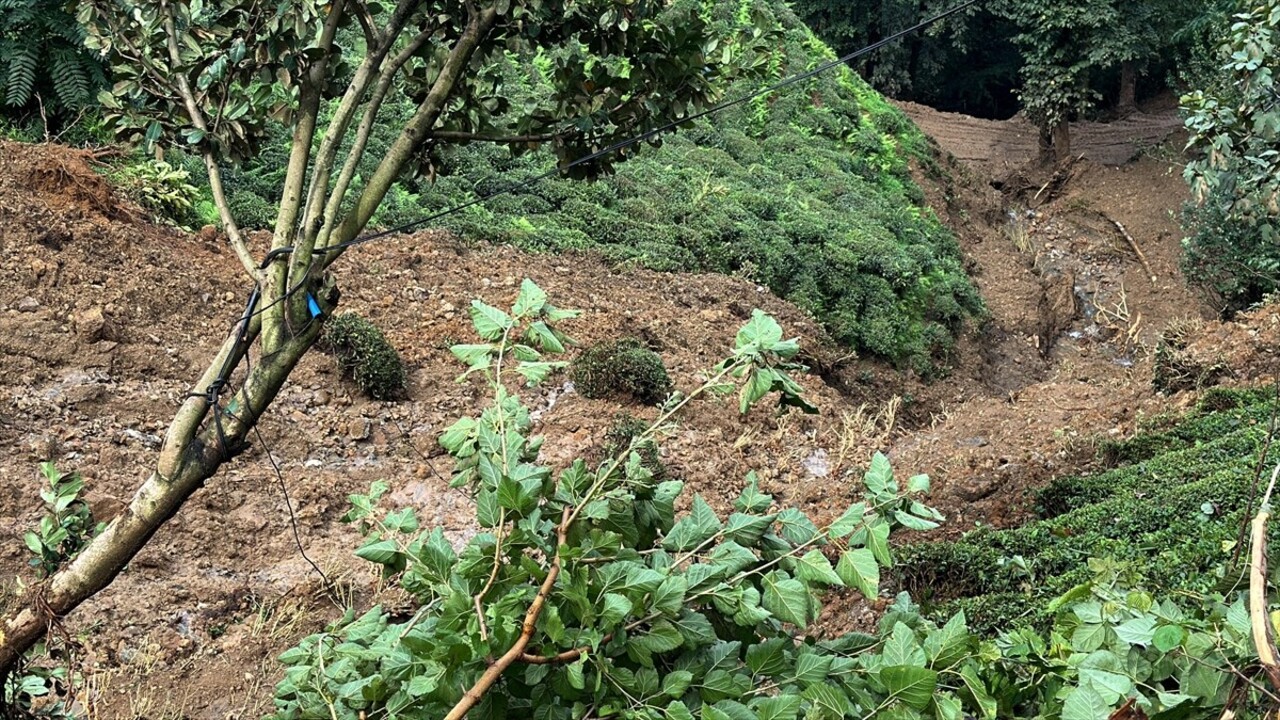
{"x": 1168, "y": 516}
{"x": 807, "y": 191}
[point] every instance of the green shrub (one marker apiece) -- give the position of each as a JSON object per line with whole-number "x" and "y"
{"x": 161, "y": 188}
{"x": 365, "y": 355}
{"x": 621, "y": 368}
{"x": 1171, "y": 517}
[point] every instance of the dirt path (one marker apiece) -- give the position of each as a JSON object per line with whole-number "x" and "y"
{"x": 995, "y": 145}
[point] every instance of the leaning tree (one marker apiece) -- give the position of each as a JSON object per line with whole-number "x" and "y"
{"x": 210, "y": 76}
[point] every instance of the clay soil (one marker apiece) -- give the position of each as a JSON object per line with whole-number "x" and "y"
{"x": 107, "y": 319}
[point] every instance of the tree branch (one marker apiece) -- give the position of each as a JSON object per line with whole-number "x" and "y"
{"x": 365, "y": 129}
{"x": 491, "y": 675}
{"x": 458, "y": 136}
{"x": 210, "y": 163}
{"x": 415, "y": 131}
{"x": 567, "y": 656}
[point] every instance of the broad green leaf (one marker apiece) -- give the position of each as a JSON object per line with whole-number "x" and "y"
{"x": 530, "y": 300}
{"x": 760, "y": 330}
{"x": 704, "y": 518}
{"x": 901, "y": 647}
{"x": 786, "y": 598}
{"x": 676, "y": 682}
{"x": 474, "y": 357}
{"x": 1167, "y": 637}
{"x": 535, "y": 372}
{"x": 757, "y": 386}
{"x": 878, "y": 542}
{"x": 796, "y": 527}
{"x": 812, "y": 668}
{"x": 751, "y": 500}
{"x": 724, "y": 685}
{"x": 858, "y": 568}
{"x": 544, "y": 338}
{"x": 947, "y": 645}
{"x": 779, "y": 707}
{"x": 815, "y": 568}
{"x": 1138, "y": 631}
{"x": 1088, "y": 638}
{"x": 1110, "y": 686}
{"x": 616, "y": 609}
{"x": 490, "y": 322}
{"x": 574, "y": 673}
{"x": 677, "y": 711}
{"x": 978, "y": 689}
{"x": 1084, "y": 703}
{"x": 732, "y": 557}
{"x": 668, "y": 599}
{"x": 827, "y": 701}
{"x": 911, "y": 522}
{"x": 879, "y": 476}
{"x": 746, "y": 530}
{"x": 382, "y": 552}
{"x": 912, "y": 685}
{"x": 768, "y": 658}
{"x": 848, "y": 521}
{"x": 661, "y": 637}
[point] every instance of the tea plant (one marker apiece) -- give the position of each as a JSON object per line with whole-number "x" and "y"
{"x": 67, "y": 527}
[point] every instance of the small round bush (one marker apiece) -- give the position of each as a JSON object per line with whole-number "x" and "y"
{"x": 621, "y": 368}
{"x": 365, "y": 356}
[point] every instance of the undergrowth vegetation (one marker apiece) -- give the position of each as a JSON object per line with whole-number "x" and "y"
{"x": 587, "y": 595}
{"x": 364, "y": 354}
{"x": 807, "y": 191}
{"x": 1168, "y": 516}
{"x": 621, "y": 368}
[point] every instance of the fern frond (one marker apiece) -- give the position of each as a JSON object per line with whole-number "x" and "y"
{"x": 70, "y": 81}
{"x": 21, "y": 78}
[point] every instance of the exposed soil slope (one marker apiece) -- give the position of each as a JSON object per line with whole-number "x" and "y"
{"x": 105, "y": 320}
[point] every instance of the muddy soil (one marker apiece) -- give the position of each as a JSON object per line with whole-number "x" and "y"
{"x": 106, "y": 319}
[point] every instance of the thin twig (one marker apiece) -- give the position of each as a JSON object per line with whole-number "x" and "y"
{"x": 1263, "y": 637}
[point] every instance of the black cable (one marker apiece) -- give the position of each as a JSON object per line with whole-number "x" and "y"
{"x": 623, "y": 144}
{"x": 293, "y": 519}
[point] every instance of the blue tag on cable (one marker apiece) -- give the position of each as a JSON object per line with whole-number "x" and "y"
{"x": 313, "y": 306}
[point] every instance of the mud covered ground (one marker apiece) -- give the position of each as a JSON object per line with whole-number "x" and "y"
{"x": 105, "y": 320}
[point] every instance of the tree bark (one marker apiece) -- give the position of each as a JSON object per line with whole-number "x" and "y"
{"x": 1062, "y": 141}
{"x": 1128, "y": 88}
{"x": 195, "y": 449}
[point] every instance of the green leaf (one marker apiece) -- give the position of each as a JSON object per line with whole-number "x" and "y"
{"x": 732, "y": 557}
{"x": 796, "y": 527}
{"x": 879, "y": 476}
{"x": 1138, "y": 631}
{"x": 704, "y": 518}
{"x": 746, "y": 529}
{"x": 530, "y": 300}
{"x": 912, "y": 522}
{"x": 814, "y": 567}
{"x": 676, "y": 682}
{"x": 676, "y": 711}
{"x": 457, "y": 435}
{"x": 616, "y": 609}
{"x": 912, "y": 685}
{"x": 786, "y": 598}
{"x": 768, "y": 658}
{"x": 475, "y": 357}
{"x": 901, "y": 647}
{"x": 752, "y": 500}
{"x": 490, "y": 322}
{"x": 1088, "y": 638}
{"x": 978, "y": 689}
{"x": 382, "y": 552}
{"x": 535, "y": 372}
{"x": 848, "y": 521}
{"x": 1084, "y": 703}
{"x": 757, "y": 386}
{"x": 812, "y": 668}
{"x": 574, "y": 673}
{"x": 858, "y": 568}
{"x": 779, "y": 707}
{"x": 760, "y": 330}
{"x": 661, "y": 637}
{"x": 946, "y": 645}
{"x": 827, "y": 701}
{"x": 1110, "y": 686}
{"x": 1167, "y": 637}
{"x": 668, "y": 599}
{"x": 918, "y": 484}
{"x": 544, "y": 338}
{"x": 878, "y": 542}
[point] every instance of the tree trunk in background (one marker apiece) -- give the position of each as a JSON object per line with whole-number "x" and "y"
{"x": 1128, "y": 88}
{"x": 1062, "y": 142}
